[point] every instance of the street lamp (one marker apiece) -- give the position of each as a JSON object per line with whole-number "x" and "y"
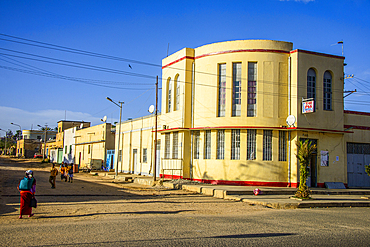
{"x": 5, "y": 139}
{"x": 43, "y": 153}
{"x": 20, "y": 128}
{"x": 119, "y": 131}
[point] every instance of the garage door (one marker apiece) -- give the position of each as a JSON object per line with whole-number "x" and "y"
{"x": 358, "y": 155}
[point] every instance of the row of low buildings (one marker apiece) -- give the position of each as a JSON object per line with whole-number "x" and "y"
{"x": 232, "y": 113}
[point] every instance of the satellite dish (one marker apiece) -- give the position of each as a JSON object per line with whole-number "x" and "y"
{"x": 290, "y": 120}
{"x": 81, "y": 125}
{"x": 105, "y": 119}
{"x": 151, "y": 109}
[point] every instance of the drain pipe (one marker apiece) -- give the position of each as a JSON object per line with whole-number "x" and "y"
{"x": 289, "y": 113}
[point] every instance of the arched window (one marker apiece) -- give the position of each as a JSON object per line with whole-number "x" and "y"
{"x": 311, "y": 84}
{"x": 177, "y": 92}
{"x": 327, "y": 91}
{"x": 169, "y": 94}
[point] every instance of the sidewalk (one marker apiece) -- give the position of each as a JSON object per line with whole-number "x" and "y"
{"x": 274, "y": 197}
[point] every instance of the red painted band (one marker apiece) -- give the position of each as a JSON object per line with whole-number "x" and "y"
{"x": 317, "y": 53}
{"x": 357, "y": 127}
{"x": 178, "y": 60}
{"x": 357, "y": 113}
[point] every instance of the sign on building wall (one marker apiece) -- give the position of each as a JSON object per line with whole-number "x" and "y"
{"x": 324, "y": 158}
{"x": 308, "y": 105}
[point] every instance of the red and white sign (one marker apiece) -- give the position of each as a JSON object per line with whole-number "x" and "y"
{"x": 308, "y": 106}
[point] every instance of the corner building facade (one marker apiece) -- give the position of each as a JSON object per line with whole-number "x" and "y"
{"x": 224, "y": 111}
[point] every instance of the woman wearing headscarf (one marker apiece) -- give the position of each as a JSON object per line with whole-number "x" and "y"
{"x": 27, "y": 188}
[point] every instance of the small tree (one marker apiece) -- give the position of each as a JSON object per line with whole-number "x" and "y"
{"x": 367, "y": 169}
{"x": 304, "y": 154}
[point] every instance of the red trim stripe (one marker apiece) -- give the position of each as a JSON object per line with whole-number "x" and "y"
{"x": 317, "y": 53}
{"x": 357, "y": 127}
{"x": 357, "y": 113}
{"x": 178, "y": 60}
{"x": 257, "y": 127}
{"x": 225, "y": 52}
{"x": 242, "y": 50}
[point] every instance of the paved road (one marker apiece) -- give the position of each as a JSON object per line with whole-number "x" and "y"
{"x": 95, "y": 212}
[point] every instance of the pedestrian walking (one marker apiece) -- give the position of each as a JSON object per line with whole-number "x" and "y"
{"x": 70, "y": 173}
{"x": 53, "y": 174}
{"x": 27, "y": 189}
{"x": 63, "y": 172}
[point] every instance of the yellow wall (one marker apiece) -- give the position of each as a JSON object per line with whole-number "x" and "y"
{"x": 92, "y": 143}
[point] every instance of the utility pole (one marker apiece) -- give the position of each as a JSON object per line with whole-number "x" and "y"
{"x": 45, "y": 135}
{"x": 156, "y": 130}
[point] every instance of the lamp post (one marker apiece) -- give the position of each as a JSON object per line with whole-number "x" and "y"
{"x": 5, "y": 139}
{"x": 46, "y": 129}
{"x": 20, "y": 128}
{"x": 119, "y": 131}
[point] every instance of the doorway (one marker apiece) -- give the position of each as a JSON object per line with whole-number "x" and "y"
{"x": 312, "y": 166}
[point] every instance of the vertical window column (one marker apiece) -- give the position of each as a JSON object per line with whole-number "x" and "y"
{"x": 327, "y": 91}
{"x": 235, "y": 144}
{"x": 167, "y": 145}
{"x": 177, "y": 93}
{"x": 251, "y": 144}
{"x": 267, "y": 145}
{"x": 237, "y": 89}
{"x": 282, "y": 145}
{"x": 169, "y": 95}
{"x": 196, "y": 136}
{"x": 207, "y": 144}
{"x": 175, "y": 145}
{"x": 252, "y": 89}
{"x": 220, "y": 144}
{"x": 221, "y": 89}
{"x": 311, "y": 84}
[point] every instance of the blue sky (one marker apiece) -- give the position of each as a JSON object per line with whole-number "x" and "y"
{"x": 141, "y": 31}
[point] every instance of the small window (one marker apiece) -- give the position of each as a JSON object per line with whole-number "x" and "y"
{"x": 207, "y": 144}
{"x": 167, "y": 146}
{"x": 282, "y": 145}
{"x": 145, "y": 158}
{"x": 311, "y": 84}
{"x": 251, "y": 144}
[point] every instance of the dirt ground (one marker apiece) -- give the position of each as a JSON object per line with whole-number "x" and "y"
{"x": 95, "y": 196}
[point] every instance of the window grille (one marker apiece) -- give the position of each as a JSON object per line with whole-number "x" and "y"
{"x": 358, "y": 148}
{"x": 311, "y": 84}
{"x": 282, "y": 145}
{"x": 267, "y": 145}
{"x": 196, "y": 136}
{"x": 235, "y": 144}
{"x": 220, "y": 144}
{"x": 221, "y": 89}
{"x": 251, "y": 144}
{"x": 175, "y": 142}
{"x": 169, "y": 95}
{"x": 167, "y": 146}
{"x": 327, "y": 91}
{"x": 145, "y": 157}
{"x": 237, "y": 89}
{"x": 207, "y": 144}
{"x": 252, "y": 89}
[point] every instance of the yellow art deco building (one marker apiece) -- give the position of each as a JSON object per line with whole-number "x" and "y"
{"x": 225, "y": 108}
{"x": 233, "y": 111}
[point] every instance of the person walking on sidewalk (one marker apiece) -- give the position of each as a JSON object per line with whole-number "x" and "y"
{"x": 53, "y": 174}
{"x": 70, "y": 173}
{"x": 27, "y": 188}
{"x": 63, "y": 172}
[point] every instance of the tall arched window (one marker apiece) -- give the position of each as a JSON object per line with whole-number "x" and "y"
{"x": 327, "y": 91}
{"x": 169, "y": 94}
{"x": 311, "y": 84}
{"x": 177, "y": 92}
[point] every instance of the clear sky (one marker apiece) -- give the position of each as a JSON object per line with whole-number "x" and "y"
{"x": 33, "y": 92}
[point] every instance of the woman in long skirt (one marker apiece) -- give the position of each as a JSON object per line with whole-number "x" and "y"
{"x": 27, "y": 194}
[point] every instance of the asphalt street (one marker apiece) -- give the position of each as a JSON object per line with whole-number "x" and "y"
{"x": 96, "y": 212}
